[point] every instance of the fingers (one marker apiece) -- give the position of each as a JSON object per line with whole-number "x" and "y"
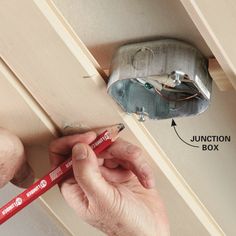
{"x": 87, "y": 172}
{"x": 121, "y": 153}
{"x": 24, "y": 176}
{"x": 112, "y": 164}
{"x": 60, "y": 149}
{"x": 74, "y": 196}
{"x": 12, "y": 157}
{"x": 117, "y": 175}
{"x": 129, "y": 156}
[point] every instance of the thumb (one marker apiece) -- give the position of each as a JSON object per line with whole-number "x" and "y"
{"x": 87, "y": 172}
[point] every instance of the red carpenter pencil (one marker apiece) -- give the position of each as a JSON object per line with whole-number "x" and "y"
{"x": 103, "y": 141}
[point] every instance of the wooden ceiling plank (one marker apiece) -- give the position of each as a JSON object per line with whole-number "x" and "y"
{"x": 216, "y": 21}
{"x": 218, "y": 75}
{"x": 28, "y": 99}
{"x": 18, "y": 110}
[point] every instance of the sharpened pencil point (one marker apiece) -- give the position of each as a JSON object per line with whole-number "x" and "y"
{"x": 120, "y": 127}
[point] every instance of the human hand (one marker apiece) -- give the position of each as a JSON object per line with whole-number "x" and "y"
{"x": 114, "y": 191}
{"x": 13, "y": 164}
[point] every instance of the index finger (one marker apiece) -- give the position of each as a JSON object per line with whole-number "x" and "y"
{"x": 130, "y": 157}
{"x": 60, "y": 149}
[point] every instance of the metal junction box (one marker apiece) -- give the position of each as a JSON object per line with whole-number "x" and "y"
{"x": 160, "y": 79}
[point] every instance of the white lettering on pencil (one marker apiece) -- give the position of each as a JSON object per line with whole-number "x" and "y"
{"x": 69, "y": 164}
{"x": 5, "y": 211}
{"x": 17, "y": 203}
{"x": 41, "y": 185}
{"x": 56, "y": 173}
{"x": 105, "y": 137}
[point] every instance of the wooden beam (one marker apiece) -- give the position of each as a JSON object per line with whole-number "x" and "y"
{"x": 55, "y": 68}
{"x": 216, "y": 22}
{"x": 218, "y": 75}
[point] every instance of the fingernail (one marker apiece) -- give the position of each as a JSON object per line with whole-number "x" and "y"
{"x": 80, "y": 152}
{"x": 80, "y": 157}
{"x": 131, "y": 149}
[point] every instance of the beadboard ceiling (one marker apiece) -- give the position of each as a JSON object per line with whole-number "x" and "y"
{"x": 105, "y": 25}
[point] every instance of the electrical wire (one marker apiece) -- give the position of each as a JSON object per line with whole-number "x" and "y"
{"x": 174, "y": 90}
{"x": 176, "y": 100}
{"x": 186, "y": 81}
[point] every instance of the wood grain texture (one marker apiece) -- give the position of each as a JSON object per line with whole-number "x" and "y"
{"x": 216, "y": 22}
{"x": 218, "y": 75}
{"x": 53, "y": 66}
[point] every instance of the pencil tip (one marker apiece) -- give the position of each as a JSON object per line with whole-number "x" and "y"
{"x": 120, "y": 127}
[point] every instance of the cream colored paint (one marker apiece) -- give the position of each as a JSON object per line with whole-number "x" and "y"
{"x": 103, "y": 25}
{"x": 59, "y": 80}
{"x": 32, "y": 221}
{"x": 216, "y": 21}
{"x": 16, "y": 115}
{"x": 54, "y": 64}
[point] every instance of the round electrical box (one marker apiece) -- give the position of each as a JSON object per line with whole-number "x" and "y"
{"x": 160, "y": 79}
